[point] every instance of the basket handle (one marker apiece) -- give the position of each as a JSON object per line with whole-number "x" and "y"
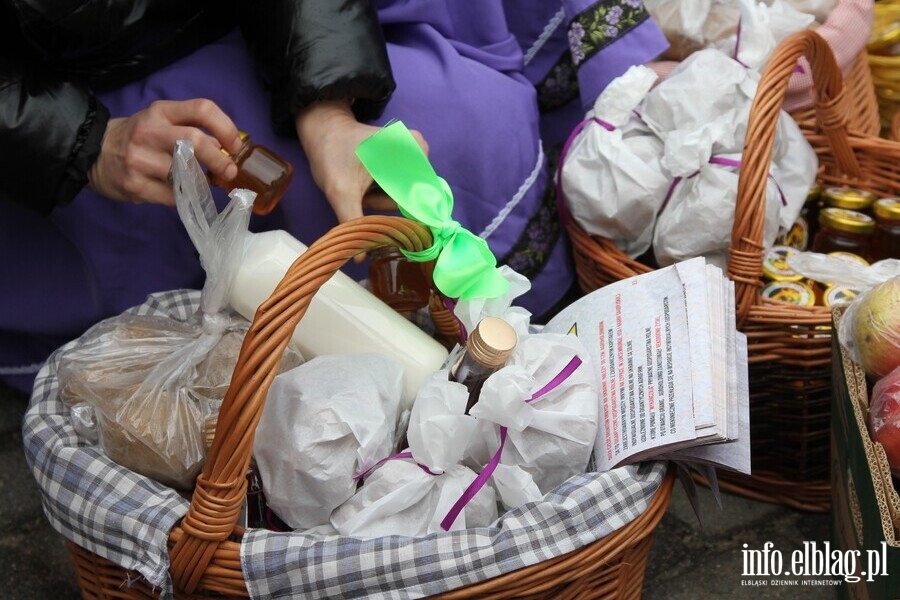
{"x": 832, "y": 112}
{"x": 221, "y": 487}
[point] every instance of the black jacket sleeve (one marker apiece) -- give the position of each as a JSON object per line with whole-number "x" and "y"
{"x": 312, "y": 50}
{"x": 50, "y": 135}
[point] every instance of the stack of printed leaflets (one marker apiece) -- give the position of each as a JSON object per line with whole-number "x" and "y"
{"x": 672, "y": 367}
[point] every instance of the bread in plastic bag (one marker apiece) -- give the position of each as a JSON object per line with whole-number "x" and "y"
{"x": 151, "y": 380}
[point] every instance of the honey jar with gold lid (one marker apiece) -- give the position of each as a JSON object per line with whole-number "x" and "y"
{"x": 886, "y": 237}
{"x": 843, "y": 230}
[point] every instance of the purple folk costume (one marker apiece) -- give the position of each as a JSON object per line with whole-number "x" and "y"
{"x": 494, "y": 86}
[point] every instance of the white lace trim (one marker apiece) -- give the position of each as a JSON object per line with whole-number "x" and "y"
{"x": 520, "y": 193}
{"x": 23, "y": 370}
{"x": 549, "y": 28}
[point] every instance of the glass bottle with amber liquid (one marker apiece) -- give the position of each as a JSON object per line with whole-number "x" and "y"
{"x": 487, "y": 349}
{"x": 260, "y": 170}
{"x": 398, "y": 281}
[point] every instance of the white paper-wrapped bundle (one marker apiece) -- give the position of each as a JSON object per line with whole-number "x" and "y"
{"x": 322, "y": 423}
{"x": 412, "y": 493}
{"x": 546, "y": 399}
{"x": 762, "y": 27}
{"x": 692, "y": 25}
{"x": 701, "y": 112}
{"x": 611, "y": 177}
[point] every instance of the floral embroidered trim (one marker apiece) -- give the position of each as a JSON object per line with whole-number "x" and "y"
{"x": 591, "y": 31}
{"x": 602, "y": 24}
{"x": 560, "y": 86}
{"x": 530, "y": 253}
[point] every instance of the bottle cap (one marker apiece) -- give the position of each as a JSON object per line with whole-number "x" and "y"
{"x": 846, "y": 220}
{"x": 793, "y": 292}
{"x": 492, "y": 341}
{"x": 887, "y": 209}
{"x": 848, "y": 197}
{"x": 775, "y": 265}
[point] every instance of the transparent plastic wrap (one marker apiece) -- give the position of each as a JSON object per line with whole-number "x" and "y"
{"x": 884, "y": 417}
{"x": 870, "y": 328}
{"x": 153, "y": 381}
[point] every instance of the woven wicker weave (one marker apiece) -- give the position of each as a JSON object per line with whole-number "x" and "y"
{"x": 205, "y": 546}
{"x": 789, "y": 346}
{"x": 865, "y": 115}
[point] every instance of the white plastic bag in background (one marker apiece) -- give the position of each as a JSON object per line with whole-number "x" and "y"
{"x": 323, "y": 422}
{"x": 140, "y": 373}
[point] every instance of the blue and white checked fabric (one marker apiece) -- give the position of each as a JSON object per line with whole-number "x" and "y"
{"x": 126, "y": 518}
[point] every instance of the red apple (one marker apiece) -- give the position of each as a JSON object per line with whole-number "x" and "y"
{"x": 884, "y": 417}
{"x": 876, "y": 328}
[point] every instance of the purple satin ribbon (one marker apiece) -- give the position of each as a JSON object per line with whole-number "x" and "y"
{"x": 560, "y": 207}
{"x": 363, "y": 474}
{"x": 489, "y": 468}
{"x": 715, "y": 160}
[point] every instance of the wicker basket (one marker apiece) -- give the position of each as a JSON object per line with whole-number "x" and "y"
{"x": 865, "y": 115}
{"x": 789, "y": 346}
{"x": 205, "y": 546}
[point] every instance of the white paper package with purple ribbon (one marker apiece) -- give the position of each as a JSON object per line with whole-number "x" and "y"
{"x": 611, "y": 176}
{"x": 539, "y": 413}
{"x": 411, "y": 493}
{"x": 324, "y": 421}
{"x": 701, "y": 112}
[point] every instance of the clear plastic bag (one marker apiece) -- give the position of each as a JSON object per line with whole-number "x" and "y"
{"x": 153, "y": 381}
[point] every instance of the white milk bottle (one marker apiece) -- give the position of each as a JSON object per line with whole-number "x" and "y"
{"x": 343, "y": 316}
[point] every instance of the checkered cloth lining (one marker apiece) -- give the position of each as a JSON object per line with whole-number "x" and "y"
{"x": 126, "y": 518}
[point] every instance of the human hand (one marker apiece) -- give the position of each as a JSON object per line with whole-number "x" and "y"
{"x": 136, "y": 153}
{"x": 329, "y": 134}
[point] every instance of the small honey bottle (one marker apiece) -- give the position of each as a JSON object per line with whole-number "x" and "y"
{"x": 259, "y": 170}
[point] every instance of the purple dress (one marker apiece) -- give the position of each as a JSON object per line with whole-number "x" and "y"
{"x": 494, "y": 86}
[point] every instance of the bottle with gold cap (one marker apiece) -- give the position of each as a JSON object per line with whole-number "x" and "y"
{"x": 487, "y": 349}
{"x": 842, "y": 230}
{"x": 886, "y": 238}
{"x": 259, "y": 170}
{"x": 849, "y": 198}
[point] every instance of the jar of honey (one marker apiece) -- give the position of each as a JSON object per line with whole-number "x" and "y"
{"x": 259, "y": 170}
{"x": 400, "y": 282}
{"x": 843, "y": 230}
{"x": 886, "y": 238}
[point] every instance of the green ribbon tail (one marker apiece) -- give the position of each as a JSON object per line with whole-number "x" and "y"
{"x": 465, "y": 267}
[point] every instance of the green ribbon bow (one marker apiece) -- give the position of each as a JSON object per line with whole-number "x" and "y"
{"x": 465, "y": 267}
